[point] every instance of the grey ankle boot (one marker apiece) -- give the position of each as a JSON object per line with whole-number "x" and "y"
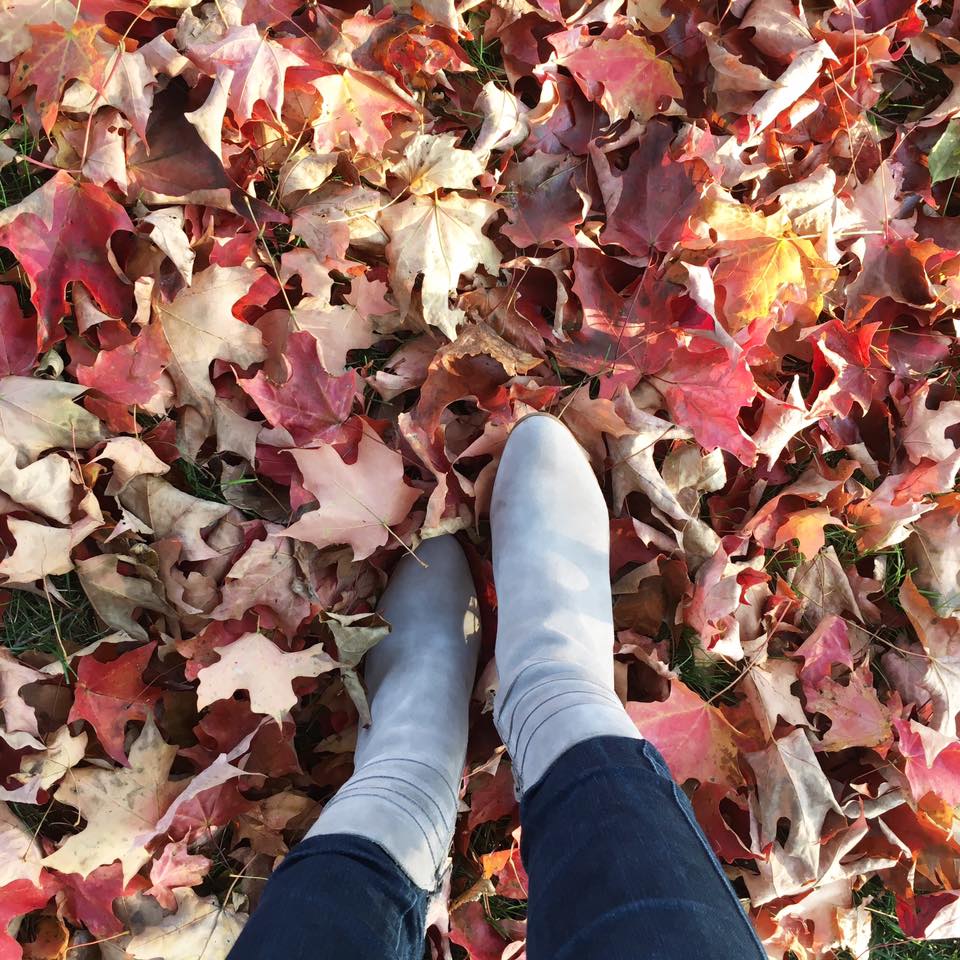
{"x": 409, "y": 761}
{"x": 551, "y": 559}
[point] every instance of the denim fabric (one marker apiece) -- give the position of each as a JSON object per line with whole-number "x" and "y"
{"x": 336, "y": 897}
{"x": 618, "y": 869}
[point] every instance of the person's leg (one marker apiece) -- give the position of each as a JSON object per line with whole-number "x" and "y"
{"x": 617, "y": 864}
{"x": 358, "y": 886}
{"x": 339, "y": 897}
{"x": 619, "y": 868}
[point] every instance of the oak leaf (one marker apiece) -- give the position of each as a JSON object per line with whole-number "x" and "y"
{"x": 857, "y": 718}
{"x": 792, "y": 786}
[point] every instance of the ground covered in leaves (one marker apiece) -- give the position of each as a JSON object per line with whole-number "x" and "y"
{"x": 277, "y": 280}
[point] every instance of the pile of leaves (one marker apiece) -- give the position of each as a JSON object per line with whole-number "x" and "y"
{"x": 279, "y": 277}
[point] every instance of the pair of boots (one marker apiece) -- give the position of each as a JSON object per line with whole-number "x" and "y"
{"x": 553, "y": 652}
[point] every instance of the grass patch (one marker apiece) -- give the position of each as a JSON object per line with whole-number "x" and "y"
{"x": 709, "y": 677}
{"x": 498, "y": 909}
{"x": 19, "y": 178}
{"x": 41, "y": 624}
{"x": 895, "y": 566}
{"x": 912, "y": 86}
{"x": 485, "y": 56}
{"x": 888, "y": 941}
{"x": 199, "y": 481}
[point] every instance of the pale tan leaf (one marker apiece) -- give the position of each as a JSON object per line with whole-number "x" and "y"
{"x": 199, "y": 327}
{"x": 439, "y": 239}
{"x": 45, "y": 486}
{"x": 131, "y": 458}
{"x": 38, "y": 415}
{"x": 117, "y": 804}
{"x": 19, "y": 852}
{"x": 433, "y": 162}
{"x": 18, "y": 715}
{"x": 171, "y": 512}
{"x": 256, "y": 664}
{"x": 62, "y": 753}
{"x": 200, "y": 930}
{"x": 40, "y": 552}
{"x": 115, "y": 596}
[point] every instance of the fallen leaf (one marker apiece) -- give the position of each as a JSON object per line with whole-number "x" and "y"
{"x": 199, "y": 326}
{"x": 41, "y": 551}
{"x": 110, "y": 695}
{"x": 168, "y": 511}
{"x": 174, "y": 869}
{"x": 358, "y": 502}
{"x": 439, "y": 239}
{"x": 115, "y": 595}
{"x": 625, "y": 75}
{"x": 38, "y": 415}
{"x": 61, "y": 234}
{"x": 117, "y": 804}
{"x": 310, "y": 403}
{"x": 256, "y": 664}
{"x": 200, "y": 929}
{"x": 266, "y": 575}
{"x": 693, "y": 736}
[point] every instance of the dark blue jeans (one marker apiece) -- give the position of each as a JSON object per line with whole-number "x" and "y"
{"x": 618, "y": 869}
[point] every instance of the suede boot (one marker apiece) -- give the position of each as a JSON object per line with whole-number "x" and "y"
{"x": 551, "y": 562}
{"x": 409, "y": 761}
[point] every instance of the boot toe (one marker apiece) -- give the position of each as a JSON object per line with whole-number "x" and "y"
{"x": 545, "y": 470}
